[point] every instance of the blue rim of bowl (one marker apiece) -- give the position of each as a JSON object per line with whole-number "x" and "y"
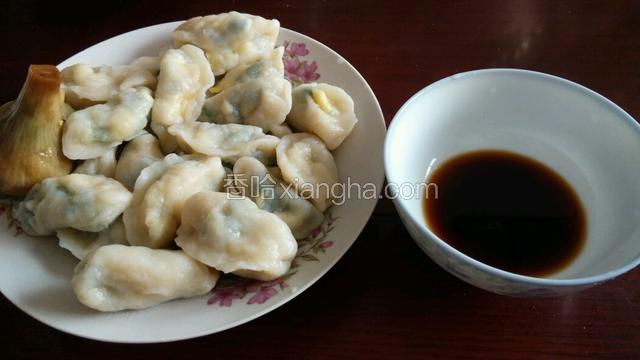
{"x": 582, "y": 281}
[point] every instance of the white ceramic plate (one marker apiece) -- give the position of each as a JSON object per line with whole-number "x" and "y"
{"x": 35, "y": 272}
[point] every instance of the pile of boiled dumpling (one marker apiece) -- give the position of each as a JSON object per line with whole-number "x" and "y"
{"x": 150, "y": 210}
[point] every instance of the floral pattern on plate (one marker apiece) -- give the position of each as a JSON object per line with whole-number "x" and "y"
{"x": 231, "y": 287}
{"x": 297, "y": 70}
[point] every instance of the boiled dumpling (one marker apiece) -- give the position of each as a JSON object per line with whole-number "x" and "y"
{"x": 185, "y": 76}
{"x": 137, "y": 155}
{"x": 83, "y": 202}
{"x": 153, "y": 172}
{"x": 92, "y": 132}
{"x": 324, "y": 110}
{"x": 306, "y": 163}
{"x": 118, "y": 277}
{"x": 270, "y": 66}
{"x": 103, "y": 165}
{"x": 154, "y": 214}
{"x": 230, "y": 142}
{"x": 256, "y": 182}
{"x": 253, "y": 94}
{"x": 229, "y": 39}
{"x": 81, "y": 243}
{"x": 85, "y": 86}
{"x": 148, "y": 176}
{"x": 262, "y": 102}
{"x": 234, "y": 235}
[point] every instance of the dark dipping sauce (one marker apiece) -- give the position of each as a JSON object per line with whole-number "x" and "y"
{"x": 506, "y": 210}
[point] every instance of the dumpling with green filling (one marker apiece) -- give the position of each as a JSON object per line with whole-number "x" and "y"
{"x": 271, "y": 65}
{"x": 230, "y": 141}
{"x": 255, "y": 181}
{"x": 263, "y": 102}
{"x": 229, "y": 39}
{"x": 232, "y": 234}
{"x": 90, "y": 133}
{"x": 79, "y": 201}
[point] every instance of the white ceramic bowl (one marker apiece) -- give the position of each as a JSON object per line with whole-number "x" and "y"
{"x": 591, "y": 142}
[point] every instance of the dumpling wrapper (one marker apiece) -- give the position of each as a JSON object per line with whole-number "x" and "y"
{"x": 263, "y": 187}
{"x": 271, "y": 65}
{"x": 154, "y": 214}
{"x": 263, "y": 102}
{"x": 92, "y": 132}
{"x": 234, "y": 236}
{"x": 254, "y": 94}
{"x": 230, "y": 141}
{"x": 83, "y": 202}
{"x": 118, "y": 277}
{"x": 324, "y": 110}
{"x": 306, "y": 163}
{"x": 139, "y": 153}
{"x": 185, "y": 76}
{"x": 85, "y": 86}
{"x": 229, "y": 39}
{"x": 81, "y": 243}
{"x": 104, "y": 165}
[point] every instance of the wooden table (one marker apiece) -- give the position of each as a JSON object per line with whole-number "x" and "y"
{"x": 385, "y": 298}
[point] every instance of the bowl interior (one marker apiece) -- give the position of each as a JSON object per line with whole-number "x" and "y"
{"x": 587, "y": 139}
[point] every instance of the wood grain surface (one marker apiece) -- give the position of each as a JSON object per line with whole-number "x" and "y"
{"x": 385, "y": 299}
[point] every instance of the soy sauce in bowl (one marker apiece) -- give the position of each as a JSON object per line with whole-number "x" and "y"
{"x": 506, "y": 210}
